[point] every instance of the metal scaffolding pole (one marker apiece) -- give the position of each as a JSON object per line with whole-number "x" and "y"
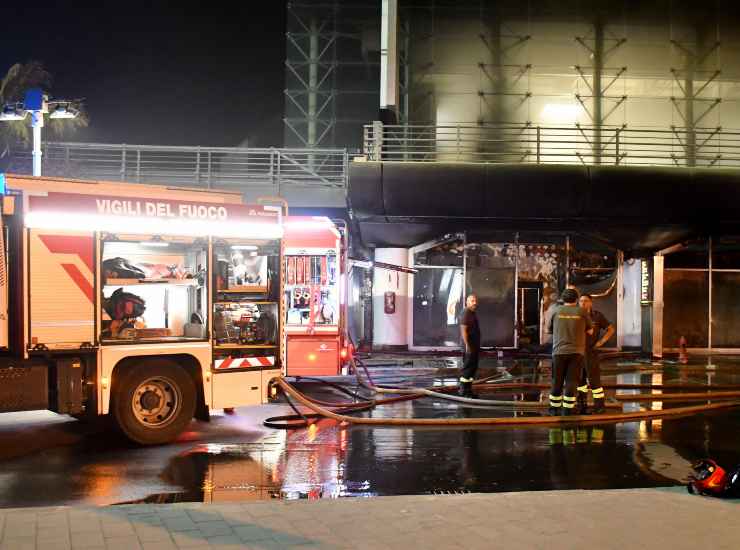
{"x": 598, "y": 92}
{"x": 313, "y": 80}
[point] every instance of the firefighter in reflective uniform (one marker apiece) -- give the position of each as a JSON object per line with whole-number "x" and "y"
{"x": 569, "y": 326}
{"x": 591, "y": 373}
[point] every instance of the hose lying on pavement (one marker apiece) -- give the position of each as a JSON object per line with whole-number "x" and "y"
{"x": 320, "y": 408}
{"x": 697, "y": 396}
{"x": 479, "y": 403}
{"x": 500, "y": 421}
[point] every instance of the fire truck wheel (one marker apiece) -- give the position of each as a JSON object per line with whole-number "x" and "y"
{"x": 154, "y": 401}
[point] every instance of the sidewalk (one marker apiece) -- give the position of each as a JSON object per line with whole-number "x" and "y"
{"x": 618, "y": 519}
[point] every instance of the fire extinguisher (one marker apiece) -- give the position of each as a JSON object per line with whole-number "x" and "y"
{"x": 389, "y": 302}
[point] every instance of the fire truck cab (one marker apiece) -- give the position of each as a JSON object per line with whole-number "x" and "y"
{"x": 152, "y": 304}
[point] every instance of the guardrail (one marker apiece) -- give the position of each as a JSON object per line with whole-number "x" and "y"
{"x": 527, "y": 143}
{"x": 204, "y": 167}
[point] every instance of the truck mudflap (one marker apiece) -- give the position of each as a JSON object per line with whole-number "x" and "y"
{"x": 24, "y": 388}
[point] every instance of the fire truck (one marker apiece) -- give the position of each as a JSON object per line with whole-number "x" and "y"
{"x": 315, "y": 296}
{"x": 150, "y": 304}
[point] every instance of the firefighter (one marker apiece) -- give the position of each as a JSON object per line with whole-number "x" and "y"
{"x": 569, "y": 326}
{"x": 591, "y": 373}
{"x": 470, "y": 332}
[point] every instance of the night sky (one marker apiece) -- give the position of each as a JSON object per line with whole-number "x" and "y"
{"x": 210, "y": 74}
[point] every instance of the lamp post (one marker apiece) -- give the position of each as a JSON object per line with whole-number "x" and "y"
{"x": 37, "y": 104}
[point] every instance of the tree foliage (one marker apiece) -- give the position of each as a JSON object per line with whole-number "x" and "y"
{"x": 13, "y": 86}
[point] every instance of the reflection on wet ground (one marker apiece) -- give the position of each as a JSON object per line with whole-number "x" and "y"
{"x": 234, "y": 458}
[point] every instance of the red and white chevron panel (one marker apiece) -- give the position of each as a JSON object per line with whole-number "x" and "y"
{"x": 244, "y": 362}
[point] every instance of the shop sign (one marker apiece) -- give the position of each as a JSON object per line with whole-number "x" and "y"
{"x": 644, "y": 282}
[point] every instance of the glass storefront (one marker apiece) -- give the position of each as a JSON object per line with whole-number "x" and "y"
{"x": 701, "y": 294}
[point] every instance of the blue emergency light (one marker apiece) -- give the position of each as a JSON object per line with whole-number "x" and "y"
{"x": 2, "y": 182}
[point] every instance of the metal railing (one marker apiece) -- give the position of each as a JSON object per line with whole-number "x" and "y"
{"x": 204, "y": 167}
{"x": 527, "y": 143}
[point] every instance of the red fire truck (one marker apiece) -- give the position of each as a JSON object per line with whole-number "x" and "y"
{"x": 315, "y": 296}
{"x": 148, "y": 303}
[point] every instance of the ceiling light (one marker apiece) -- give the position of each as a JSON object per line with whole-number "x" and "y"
{"x": 11, "y": 112}
{"x": 243, "y": 247}
{"x": 64, "y": 110}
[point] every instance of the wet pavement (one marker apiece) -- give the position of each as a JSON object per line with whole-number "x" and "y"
{"x": 47, "y": 459}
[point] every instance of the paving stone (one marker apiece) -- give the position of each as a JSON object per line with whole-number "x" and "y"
{"x": 18, "y": 543}
{"x": 147, "y": 519}
{"x": 88, "y": 525}
{"x": 183, "y": 523}
{"x": 151, "y": 533}
{"x": 185, "y": 539}
{"x": 159, "y": 545}
{"x": 64, "y": 544}
{"x": 87, "y": 539}
{"x": 18, "y": 530}
{"x": 123, "y": 543}
{"x": 252, "y": 533}
{"x": 215, "y": 528}
{"x": 172, "y": 513}
{"x": 53, "y": 534}
{"x": 204, "y": 515}
{"x": 223, "y": 540}
{"x": 121, "y": 529}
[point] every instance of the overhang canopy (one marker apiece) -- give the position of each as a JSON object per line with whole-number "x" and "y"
{"x": 637, "y": 209}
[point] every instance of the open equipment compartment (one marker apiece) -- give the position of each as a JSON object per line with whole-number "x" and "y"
{"x": 153, "y": 288}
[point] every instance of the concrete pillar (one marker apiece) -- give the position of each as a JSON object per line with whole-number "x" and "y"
{"x": 389, "y": 57}
{"x": 389, "y": 329}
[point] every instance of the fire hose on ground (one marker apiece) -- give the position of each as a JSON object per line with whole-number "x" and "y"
{"x": 338, "y": 411}
{"x": 499, "y": 421}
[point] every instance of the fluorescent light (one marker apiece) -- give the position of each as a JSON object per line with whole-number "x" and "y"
{"x": 243, "y": 247}
{"x": 154, "y": 243}
{"x": 12, "y": 115}
{"x": 152, "y": 226}
{"x": 62, "y": 113}
{"x": 63, "y": 109}
{"x": 561, "y": 112}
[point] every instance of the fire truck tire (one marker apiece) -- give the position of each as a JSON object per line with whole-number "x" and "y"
{"x": 154, "y": 401}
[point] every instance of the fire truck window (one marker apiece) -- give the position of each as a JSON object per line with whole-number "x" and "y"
{"x": 153, "y": 289}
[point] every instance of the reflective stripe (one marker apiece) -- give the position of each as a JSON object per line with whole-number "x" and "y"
{"x": 583, "y": 388}
{"x": 598, "y": 392}
{"x": 569, "y": 405}
{"x": 466, "y": 380}
{"x": 570, "y": 399}
{"x": 556, "y": 397}
{"x": 555, "y": 404}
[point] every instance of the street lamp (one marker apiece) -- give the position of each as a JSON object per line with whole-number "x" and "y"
{"x": 37, "y": 104}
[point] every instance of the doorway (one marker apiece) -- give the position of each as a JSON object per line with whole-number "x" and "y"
{"x": 528, "y": 312}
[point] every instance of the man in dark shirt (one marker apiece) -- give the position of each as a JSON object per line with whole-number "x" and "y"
{"x": 591, "y": 374}
{"x": 569, "y": 326}
{"x": 470, "y": 332}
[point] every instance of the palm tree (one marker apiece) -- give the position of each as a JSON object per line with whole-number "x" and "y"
{"x": 19, "y": 78}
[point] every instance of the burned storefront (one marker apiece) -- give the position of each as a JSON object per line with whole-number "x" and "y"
{"x": 658, "y": 257}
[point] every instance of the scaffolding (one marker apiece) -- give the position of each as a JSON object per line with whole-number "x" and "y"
{"x": 332, "y": 72}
